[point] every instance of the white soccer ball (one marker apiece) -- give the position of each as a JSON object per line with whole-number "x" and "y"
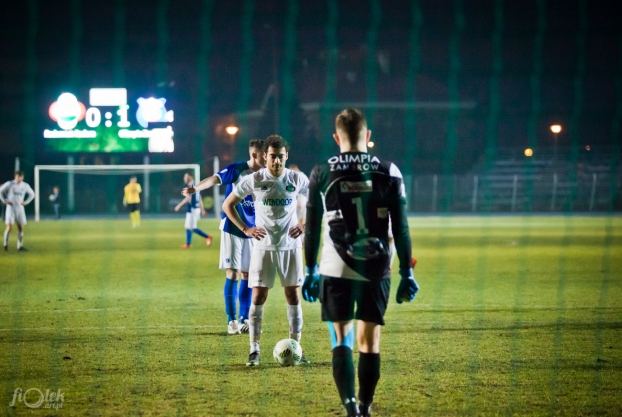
{"x": 287, "y": 352}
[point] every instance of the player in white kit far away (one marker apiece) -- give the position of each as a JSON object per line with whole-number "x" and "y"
{"x": 13, "y": 194}
{"x": 278, "y": 247}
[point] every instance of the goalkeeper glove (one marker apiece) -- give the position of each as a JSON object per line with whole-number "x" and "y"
{"x": 408, "y": 287}
{"x": 311, "y": 286}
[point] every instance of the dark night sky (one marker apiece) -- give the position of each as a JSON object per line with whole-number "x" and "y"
{"x": 155, "y": 47}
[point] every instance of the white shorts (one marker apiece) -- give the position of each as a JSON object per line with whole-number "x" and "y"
{"x": 15, "y": 215}
{"x": 265, "y": 264}
{"x": 235, "y": 252}
{"x": 192, "y": 219}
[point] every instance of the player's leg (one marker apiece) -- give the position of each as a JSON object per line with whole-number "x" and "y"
{"x": 137, "y": 216}
{"x": 196, "y": 215}
{"x": 245, "y": 292}
{"x": 255, "y": 321}
{"x": 261, "y": 276}
{"x": 337, "y": 296}
{"x": 9, "y": 219}
{"x": 7, "y": 233}
{"x": 130, "y": 207}
{"x": 188, "y": 223}
{"x": 368, "y": 339}
{"x": 371, "y": 306}
{"x": 20, "y": 236}
{"x": 291, "y": 273}
{"x": 230, "y": 262}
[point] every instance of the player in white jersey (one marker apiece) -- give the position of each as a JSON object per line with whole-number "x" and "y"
{"x": 278, "y": 247}
{"x": 13, "y": 194}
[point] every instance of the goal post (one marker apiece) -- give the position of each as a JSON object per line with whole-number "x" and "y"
{"x": 144, "y": 169}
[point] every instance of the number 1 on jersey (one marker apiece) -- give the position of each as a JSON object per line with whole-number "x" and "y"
{"x": 362, "y": 230}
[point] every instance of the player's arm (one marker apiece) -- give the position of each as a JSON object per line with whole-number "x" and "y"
{"x": 31, "y": 195}
{"x": 303, "y": 186}
{"x": 313, "y": 223}
{"x": 408, "y": 287}
{"x": 3, "y": 189}
{"x": 244, "y": 188}
{"x": 182, "y": 202}
{"x": 302, "y": 209}
{"x": 313, "y": 227}
{"x": 229, "y": 208}
{"x": 203, "y": 185}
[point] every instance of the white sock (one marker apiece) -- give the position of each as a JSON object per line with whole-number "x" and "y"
{"x": 20, "y": 239}
{"x": 6, "y": 237}
{"x": 393, "y": 252}
{"x": 294, "y": 315}
{"x": 255, "y": 319}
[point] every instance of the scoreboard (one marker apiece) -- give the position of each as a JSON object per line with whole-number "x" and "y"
{"x": 110, "y": 123}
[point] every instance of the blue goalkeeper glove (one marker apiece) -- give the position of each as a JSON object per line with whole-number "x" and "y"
{"x": 408, "y": 287}
{"x": 311, "y": 287}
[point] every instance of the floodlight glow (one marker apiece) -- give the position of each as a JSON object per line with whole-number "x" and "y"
{"x": 232, "y": 130}
{"x": 370, "y": 144}
{"x": 556, "y": 128}
{"x": 528, "y": 152}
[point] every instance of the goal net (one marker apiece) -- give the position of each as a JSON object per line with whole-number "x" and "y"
{"x": 99, "y": 189}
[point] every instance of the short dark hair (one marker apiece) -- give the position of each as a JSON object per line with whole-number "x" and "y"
{"x": 351, "y": 121}
{"x": 256, "y": 144}
{"x": 277, "y": 142}
{"x": 20, "y": 173}
{"x": 133, "y": 176}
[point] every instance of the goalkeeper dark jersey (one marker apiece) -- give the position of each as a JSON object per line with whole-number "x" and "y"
{"x": 353, "y": 195}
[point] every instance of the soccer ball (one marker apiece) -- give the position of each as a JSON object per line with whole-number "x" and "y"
{"x": 287, "y": 352}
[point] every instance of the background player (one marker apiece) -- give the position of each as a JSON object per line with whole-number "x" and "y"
{"x": 194, "y": 210}
{"x": 278, "y": 248}
{"x": 131, "y": 198}
{"x": 360, "y": 194}
{"x": 13, "y": 193}
{"x": 55, "y": 200}
{"x": 235, "y": 246}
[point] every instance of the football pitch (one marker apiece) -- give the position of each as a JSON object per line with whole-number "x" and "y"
{"x": 515, "y": 316}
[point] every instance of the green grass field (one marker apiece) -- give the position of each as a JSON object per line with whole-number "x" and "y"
{"x": 516, "y": 316}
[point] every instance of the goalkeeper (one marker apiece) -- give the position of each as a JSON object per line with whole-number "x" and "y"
{"x": 131, "y": 199}
{"x": 355, "y": 195}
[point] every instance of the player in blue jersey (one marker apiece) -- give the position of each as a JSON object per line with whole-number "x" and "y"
{"x": 235, "y": 246}
{"x": 194, "y": 210}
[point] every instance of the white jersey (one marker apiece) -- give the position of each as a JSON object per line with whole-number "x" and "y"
{"x": 275, "y": 201}
{"x": 16, "y": 193}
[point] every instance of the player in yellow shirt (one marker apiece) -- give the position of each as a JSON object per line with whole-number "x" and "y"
{"x": 132, "y": 200}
